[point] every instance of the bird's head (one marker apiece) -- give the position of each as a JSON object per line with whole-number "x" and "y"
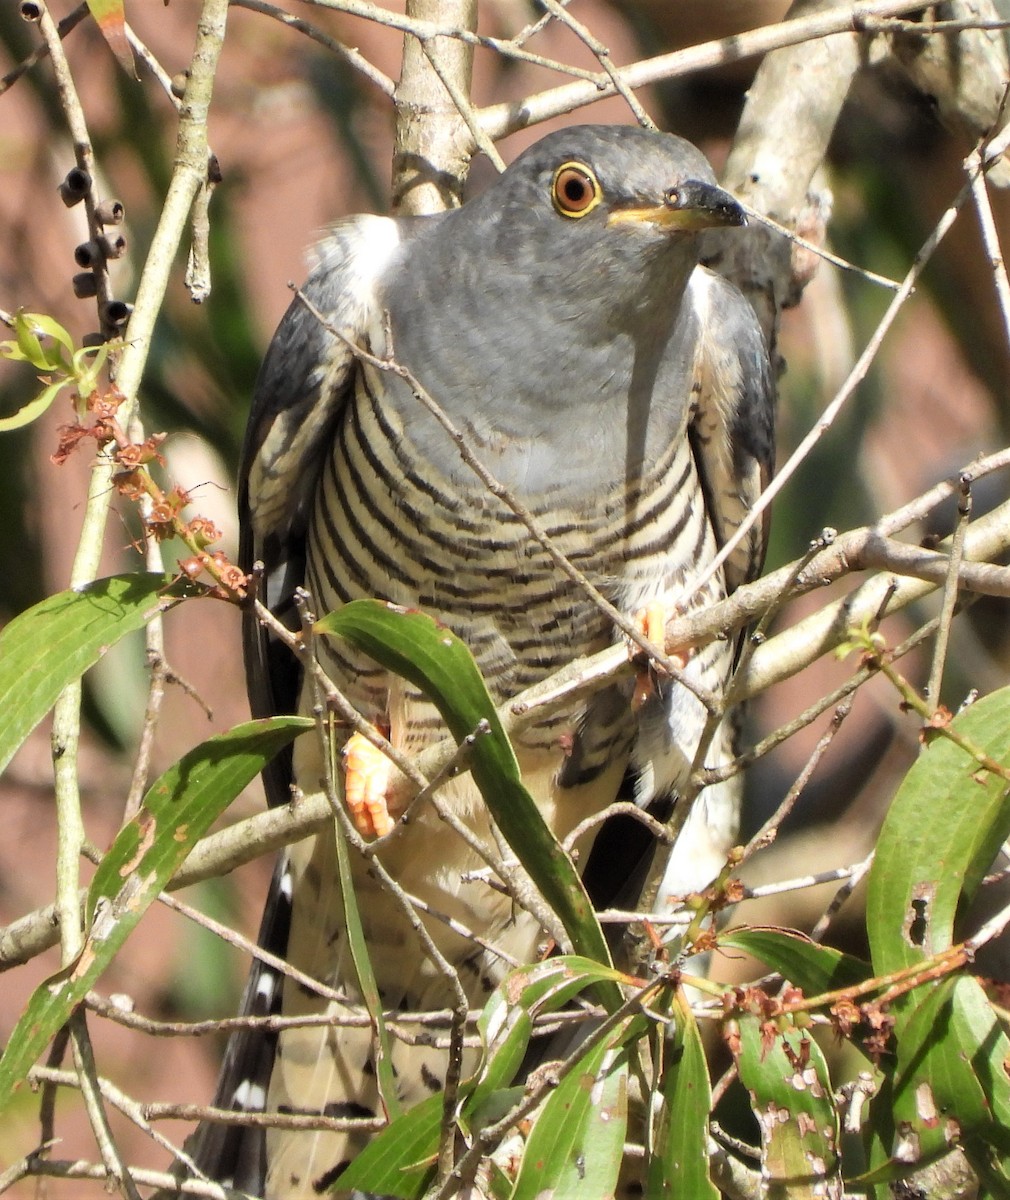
{"x": 605, "y": 204}
{"x": 618, "y": 177}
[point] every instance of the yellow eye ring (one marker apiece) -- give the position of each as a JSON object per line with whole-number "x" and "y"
{"x": 575, "y": 190}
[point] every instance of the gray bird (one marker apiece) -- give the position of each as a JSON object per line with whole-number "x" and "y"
{"x": 622, "y": 393}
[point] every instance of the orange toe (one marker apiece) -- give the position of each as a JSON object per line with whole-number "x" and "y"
{"x": 368, "y": 774}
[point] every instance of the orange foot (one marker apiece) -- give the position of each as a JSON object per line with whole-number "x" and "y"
{"x": 651, "y": 622}
{"x": 368, "y": 774}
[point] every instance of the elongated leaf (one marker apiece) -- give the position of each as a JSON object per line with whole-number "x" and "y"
{"x": 936, "y": 1099}
{"x": 576, "y": 1144}
{"x": 110, "y": 16}
{"x": 400, "y": 1161}
{"x": 923, "y": 864}
{"x": 33, "y": 409}
{"x": 367, "y": 982}
{"x": 28, "y": 346}
{"x": 55, "y": 642}
{"x": 811, "y": 967}
{"x": 506, "y": 1022}
{"x": 414, "y": 646}
{"x": 951, "y": 1080}
{"x": 784, "y": 1070}
{"x": 177, "y": 810}
{"x": 679, "y": 1165}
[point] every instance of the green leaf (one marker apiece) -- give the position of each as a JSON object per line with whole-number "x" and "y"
{"x": 28, "y": 346}
{"x": 948, "y": 1086}
{"x": 923, "y": 865}
{"x": 951, "y": 1079}
{"x": 367, "y": 982}
{"x": 416, "y": 647}
{"x": 809, "y": 966}
{"x": 576, "y": 1145}
{"x": 506, "y": 1021}
{"x": 177, "y": 811}
{"x": 88, "y": 363}
{"x": 53, "y": 357}
{"x": 784, "y": 1070}
{"x": 56, "y": 641}
{"x": 34, "y": 408}
{"x": 678, "y": 1166}
{"x": 400, "y": 1160}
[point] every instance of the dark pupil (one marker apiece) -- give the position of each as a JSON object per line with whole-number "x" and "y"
{"x": 575, "y": 189}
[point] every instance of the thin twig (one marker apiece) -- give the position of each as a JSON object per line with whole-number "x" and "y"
{"x": 465, "y": 109}
{"x": 602, "y": 53}
{"x": 66, "y": 25}
{"x": 78, "y": 1169}
{"x": 856, "y": 874}
{"x": 146, "y": 55}
{"x": 464, "y": 931}
{"x": 351, "y": 56}
{"x": 502, "y": 119}
{"x": 87, "y": 1074}
{"x": 47, "y": 1104}
{"x": 949, "y": 596}
{"x": 822, "y": 252}
{"x": 769, "y": 830}
{"x": 143, "y": 1113}
{"x": 800, "y": 882}
{"x": 622, "y": 808}
{"x": 349, "y": 1017}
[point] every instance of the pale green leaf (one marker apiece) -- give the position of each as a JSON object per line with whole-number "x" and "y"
{"x": 176, "y": 812}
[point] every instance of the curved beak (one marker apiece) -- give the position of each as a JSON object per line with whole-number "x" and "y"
{"x": 691, "y": 205}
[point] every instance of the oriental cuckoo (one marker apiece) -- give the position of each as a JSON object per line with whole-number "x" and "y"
{"x": 621, "y": 392}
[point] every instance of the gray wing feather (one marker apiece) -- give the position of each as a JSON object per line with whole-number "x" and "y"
{"x": 300, "y": 394}
{"x": 733, "y": 430}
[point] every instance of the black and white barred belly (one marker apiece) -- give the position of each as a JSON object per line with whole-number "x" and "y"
{"x": 386, "y": 525}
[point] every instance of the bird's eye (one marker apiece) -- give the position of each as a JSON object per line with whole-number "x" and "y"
{"x": 671, "y": 198}
{"x": 575, "y": 190}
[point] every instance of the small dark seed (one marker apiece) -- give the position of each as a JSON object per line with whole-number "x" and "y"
{"x": 88, "y": 254}
{"x": 85, "y": 285}
{"x": 110, "y": 212}
{"x": 113, "y": 245}
{"x": 116, "y": 313}
{"x": 75, "y": 187}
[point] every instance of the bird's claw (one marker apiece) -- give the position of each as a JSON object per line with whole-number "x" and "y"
{"x": 651, "y": 621}
{"x": 368, "y": 774}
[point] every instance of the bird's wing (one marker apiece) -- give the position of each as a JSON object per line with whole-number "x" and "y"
{"x": 301, "y": 391}
{"x": 732, "y": 431}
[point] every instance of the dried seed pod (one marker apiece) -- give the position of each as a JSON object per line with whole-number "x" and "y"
{"x": 179, "y": 82}
{"x": 116, "y": 313}
{"x": 110, "y": 212}
{"x": 75, "y": 187}
{"x": 85, "y": 285}
{"x": 113, "y": 245}
{"x": 89, "y": 254}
